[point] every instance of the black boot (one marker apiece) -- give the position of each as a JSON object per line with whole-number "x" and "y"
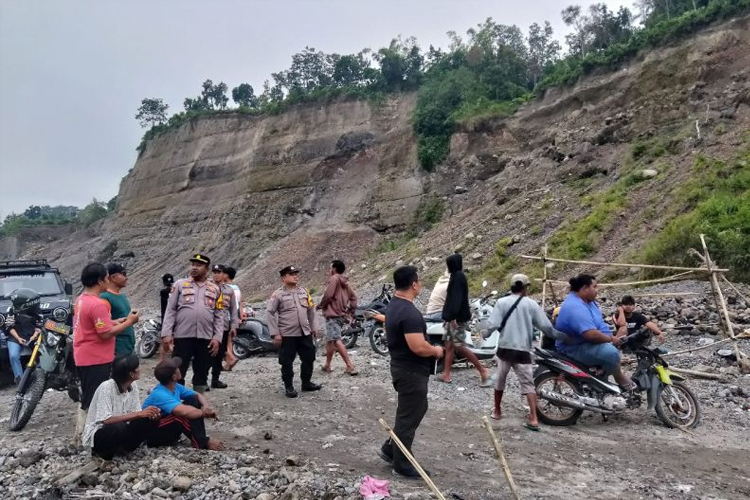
{"x": 309, "y": 386}
{"x": 386, "y": 451}
{"x": 409, "y": 472}
{"x": 218, "y": 384}
{"x": 290, "y": 392}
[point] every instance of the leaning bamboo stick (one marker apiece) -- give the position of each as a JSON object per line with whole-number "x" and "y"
{"x": 620, "y": 264}
{"x": 747, "y": 301}
{"x": 544, "y": 278}
{"x": 676, "y": 277}
{"x": 685, "y": 351}
{"x": 411, "y": 459}
{"x": 695, "y": 373}
{"x": 501, "y": 457}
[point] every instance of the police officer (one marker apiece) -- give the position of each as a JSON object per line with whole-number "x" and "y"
{"x": 291, "y": 321}
{"x": 193, "y": 324}
{"x": 228, "y": 303}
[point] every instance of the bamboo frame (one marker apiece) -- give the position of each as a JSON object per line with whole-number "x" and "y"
{"x": 412, "y": 460}
{"x": 501, "y": 458}
{"x": 747, "y": 301}
{"x": 620, "y": 264}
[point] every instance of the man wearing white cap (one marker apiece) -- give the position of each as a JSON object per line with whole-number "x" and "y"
{"x": 516, "y": 316}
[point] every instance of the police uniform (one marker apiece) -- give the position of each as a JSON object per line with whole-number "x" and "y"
{"x": 227, "y": 303}
{"x": 193, "y": 319}
{"x": 291, "y": 314}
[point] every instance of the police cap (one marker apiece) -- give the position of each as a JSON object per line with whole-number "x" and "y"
{"x": 202, "y": 258}
{"x": 289, "y": 270}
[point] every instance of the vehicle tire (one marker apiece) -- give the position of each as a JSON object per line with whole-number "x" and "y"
{"x": 378, "y": 340}
{"x": 25, "y": 404}
{"x": 349, "y": 338}
{"x": 239, "y": 349}
{"x": 147, "y": 345}
{"x": 547, "y": 411}
{"x": 679, "y": 408}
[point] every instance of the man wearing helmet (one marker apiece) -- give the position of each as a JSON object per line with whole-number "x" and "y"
{"x": 25, "y": 329}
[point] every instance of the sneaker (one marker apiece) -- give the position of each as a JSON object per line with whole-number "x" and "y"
{"x": 218, "y": 384}
{"x": 290, "y": 392}
{"x": 309, "y": 387}
{"x": 409, "y": 472}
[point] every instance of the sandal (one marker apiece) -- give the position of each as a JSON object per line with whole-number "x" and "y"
{"x": 352, "y": 373}
{"x": 493, "y": 417}
{"x": 531, "y": 427}
{"x": 440, "y": 379}
{"x": 324, "y": 370}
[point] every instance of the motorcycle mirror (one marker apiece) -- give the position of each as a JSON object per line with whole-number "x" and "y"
{"x": 484, "y": 284}
{"x": 493, "y": 292}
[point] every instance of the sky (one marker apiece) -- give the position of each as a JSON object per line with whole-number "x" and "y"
{"x": 73, "y": 72}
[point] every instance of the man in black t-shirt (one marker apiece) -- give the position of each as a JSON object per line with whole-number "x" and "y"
{"x": 412, "y": 361}
{"x": 628, "y": 321}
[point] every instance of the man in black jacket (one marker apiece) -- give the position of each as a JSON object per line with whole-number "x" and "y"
{"x": 457, "y": 314}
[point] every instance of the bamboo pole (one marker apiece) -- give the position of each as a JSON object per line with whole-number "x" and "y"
{"x": 676, "y": 277}
{"x": 501, "y": 458}
{"x": 544, "y": 280}
{"x": 411, "y": 459}
{"x": 552, "y": 292}
{"x": 747, "y": 301}
{"x": 620, "y": 264}
{"x": 695, "y": 373}
{"x": 722, "y": 307}
{"x": 700, "y": 347}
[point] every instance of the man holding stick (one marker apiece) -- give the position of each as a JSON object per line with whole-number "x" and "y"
{"x": 412, "y": 360}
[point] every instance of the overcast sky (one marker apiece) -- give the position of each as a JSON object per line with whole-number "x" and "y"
{"x": 73, "y": 72}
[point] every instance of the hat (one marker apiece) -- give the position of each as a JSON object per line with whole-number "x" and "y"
{"x": 115, "y": 268}
{"x": 165, "y": 369}
{"x": 520, "y": 277}
{"x": 220, "y": 268}
{"x": 289, "y": 270}
{"x": 199, "y": 257}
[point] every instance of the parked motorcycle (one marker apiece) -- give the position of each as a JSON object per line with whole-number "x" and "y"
{"x": 149, "y": 338}
{"x": 566, "y": 388}
{"x": 365, "y": 315}
{"x": 50, "y": 366}
{"x": 253, "y": 336}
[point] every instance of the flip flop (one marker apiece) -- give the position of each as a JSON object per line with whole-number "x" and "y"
{"x": 323, "y": 369}
{"x": 445, "y": 381}
{"x": 493, "y": 417}
{"x": 530, "y": 427}
{"x": 352, "y": 373}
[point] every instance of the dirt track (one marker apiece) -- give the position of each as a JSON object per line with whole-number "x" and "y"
{"x": 631, "y": 456}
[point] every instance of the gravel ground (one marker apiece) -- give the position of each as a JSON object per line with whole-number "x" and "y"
{"x": 320, "y": 445}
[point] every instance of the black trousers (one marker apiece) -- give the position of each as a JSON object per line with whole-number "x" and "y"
{"x": 290, "y": 348}
{"x": 195, "y": 350}
{"x": 216, "y": 361}
{"x": 169, "y": 429}
{"x": 411, "y": 387}
{"x": 123, "y": 437}
{"x": 91, "y": 378}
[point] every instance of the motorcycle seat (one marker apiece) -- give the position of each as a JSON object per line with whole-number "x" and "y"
{"x": 584, "y": 367}
{"x": 432, "y": 320}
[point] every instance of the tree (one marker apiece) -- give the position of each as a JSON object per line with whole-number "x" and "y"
{"x": 152, "y": 112}
{"x": 244, "y": 96}
{"x": 112, "y": 204}
{"x": 92, "y": 212}
{"x": 212, "y": 97}
{"x": 577, "y": 41}
{"x": 544, "y": 51}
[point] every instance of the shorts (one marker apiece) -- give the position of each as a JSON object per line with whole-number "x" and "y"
{"x": 524, "y": 373}
{"x": 456, "y": 335}
{"x": 334, "y": 326}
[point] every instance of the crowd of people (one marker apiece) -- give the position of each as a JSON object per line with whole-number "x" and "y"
{"x": 201, "y": 317}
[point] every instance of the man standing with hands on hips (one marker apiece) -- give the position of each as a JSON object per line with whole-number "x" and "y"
{"x": 193, "y": 325}
{"x": 291, "y": 320}
{"x": 412, "y": 361}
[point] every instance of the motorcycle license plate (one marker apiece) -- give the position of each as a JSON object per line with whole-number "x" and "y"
{"x": 56, "y": 327}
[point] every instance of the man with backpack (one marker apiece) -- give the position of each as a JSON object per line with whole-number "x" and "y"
{"x": 516, "y": 316}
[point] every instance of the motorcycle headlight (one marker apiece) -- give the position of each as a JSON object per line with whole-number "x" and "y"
{"x": 52, "y": 339}
{"x": 60, "y": 314}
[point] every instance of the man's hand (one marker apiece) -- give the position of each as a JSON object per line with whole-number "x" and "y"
{"x": 620, "y": 317}
{"x": 277, "y": 341}
{"x": 213, "y": 347}
{"x": 438, "y": 351}
{"x": 617, "y": 341}
{"x": 454, "y": 324}
{"x": 233, "y": 333}
{"x": 209, "y": 412}
{"x": 151, "y": 412}
{"x": 167, "y": 343}
{"x": 22, "y": 341}
{"x": 661, "y": 338}
{"x": 133, "y": 317}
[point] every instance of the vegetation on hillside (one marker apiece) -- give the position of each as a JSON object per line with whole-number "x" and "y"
{"x": 489, "y": 73}
{"x": 57, "y": 216}
{"x": 715, "y": 202}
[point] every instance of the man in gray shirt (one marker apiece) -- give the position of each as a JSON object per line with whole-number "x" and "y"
{"x": 520, "y": 315}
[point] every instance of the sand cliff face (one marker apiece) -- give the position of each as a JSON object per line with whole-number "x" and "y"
{"x": 327, "y": 181}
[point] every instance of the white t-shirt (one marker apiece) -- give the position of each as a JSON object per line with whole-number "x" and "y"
{"x": 438, "y": 295}
{"x": 107, "y": 402}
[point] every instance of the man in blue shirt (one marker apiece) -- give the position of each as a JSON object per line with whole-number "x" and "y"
{"x": 591, "y": 341}
{"x": 182, "y": 409}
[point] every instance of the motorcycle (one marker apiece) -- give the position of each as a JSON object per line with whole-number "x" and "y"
{"x": 253, "y": 336}
{"x": 50, "y": 366}
{"x": 566, "y": 388}
{"x": 368, "y": 317}
{"x": 149, "y": 338}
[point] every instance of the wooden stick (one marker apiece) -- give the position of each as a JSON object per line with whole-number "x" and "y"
{"x": 620, "y": 264}
{"x": 695, "y": 373}
{"x": 552, "y": 292}
{"x": 79, "y": 472}
{"x": 501, "y": 457}
{"x": 544, "y": 277}
{"x": 743, "y": 336}
{"x": 747, "y": 301}
{"x": 676, "y": 277}
{"x": 411, "y": 459}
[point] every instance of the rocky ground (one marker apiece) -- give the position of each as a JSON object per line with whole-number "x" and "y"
{"x": 322, "y": 444}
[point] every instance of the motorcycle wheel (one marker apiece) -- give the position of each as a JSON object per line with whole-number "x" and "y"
{"x": 378, "y": 340}
{"x": 239, "y": 350}
{"x": 349, "y": 338}
{"x": 547, "y": 411}
{"x": 677, "y": 406}
{"x": 25, "y": 402}
{"x": 146, "y": 346}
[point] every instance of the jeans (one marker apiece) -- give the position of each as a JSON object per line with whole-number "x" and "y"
{"x": 605, "y": 355}
{"x": 14, "y": 353}
{"x": 411, "y": 408}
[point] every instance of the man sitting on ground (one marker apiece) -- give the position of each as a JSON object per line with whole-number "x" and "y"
{"x": 115, "y": 422}
{"x": 628, "y": 321}
{"x": 182, "y": 409}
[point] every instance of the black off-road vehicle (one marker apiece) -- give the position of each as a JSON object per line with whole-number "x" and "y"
{"x": 44, "y": 279}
